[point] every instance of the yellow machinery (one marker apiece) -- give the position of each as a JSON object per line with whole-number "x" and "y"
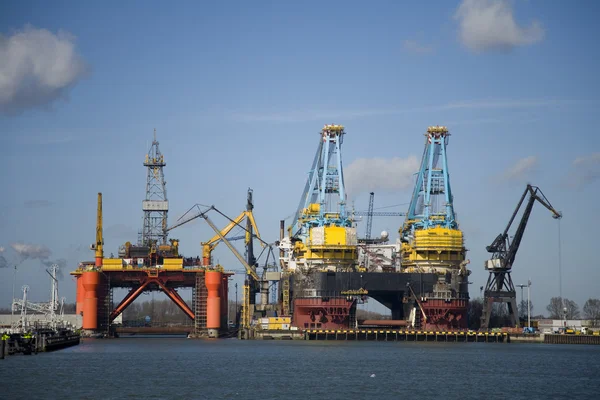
{"x": 208, "y": 247}
{"x": 434, "y": 250}
{"x": 327, "y": 247}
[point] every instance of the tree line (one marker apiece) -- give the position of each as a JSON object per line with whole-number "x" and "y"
{"x": 167, "y": 312}
{"x": 556, "y": 310}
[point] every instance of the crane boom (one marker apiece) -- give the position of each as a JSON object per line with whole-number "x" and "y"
{"x": 370, "y": 216}
{"x": 251, "y": 229}
{"x": 99, "y": 237}
{"x": 502, "y": 247}
{"x": 188, "y": 219}
{"x": 249, "y": 270}
{"x": 220, "y": 235}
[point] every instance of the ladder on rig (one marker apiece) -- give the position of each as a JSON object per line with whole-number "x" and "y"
{"x": 199, "y": 295}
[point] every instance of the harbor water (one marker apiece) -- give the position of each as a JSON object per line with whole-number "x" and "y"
{"x": 180, "y": 368}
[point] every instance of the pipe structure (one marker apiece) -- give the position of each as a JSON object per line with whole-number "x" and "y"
{"x": 213, "y": 302}
{"x": 91, "y": 280}
{"x": 80, "y": 295}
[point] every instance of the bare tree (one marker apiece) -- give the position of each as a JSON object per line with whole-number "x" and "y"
{"x": 523, "y": 309}
{"x": 572, "y": 309}
{"x": 591, "y": 310}
{"x": 557, "y": 306}
{"x": 474, "y": 313}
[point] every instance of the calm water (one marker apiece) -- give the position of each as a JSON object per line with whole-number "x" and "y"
{"x": 179, "y": 368}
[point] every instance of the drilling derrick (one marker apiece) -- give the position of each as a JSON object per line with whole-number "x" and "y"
{"x": 431, "y": 240}
{"x": 156, "y": 205}
{"x": 323, "y": 234}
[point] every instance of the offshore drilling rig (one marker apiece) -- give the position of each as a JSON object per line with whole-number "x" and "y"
{"x": 425, "y": 284}
{"x": 151, "y": 265}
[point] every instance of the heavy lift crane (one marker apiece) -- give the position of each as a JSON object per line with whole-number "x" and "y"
{"x": 253, "y": 284}
{"x": 500, "y": 287}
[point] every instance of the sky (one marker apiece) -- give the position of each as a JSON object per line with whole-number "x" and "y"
{"x": 238, "y": 92}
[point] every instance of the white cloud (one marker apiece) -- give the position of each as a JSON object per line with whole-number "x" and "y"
{"x": 415, "y": 47}
{"x": 585, "y": 171}
{"x": 589, "y": 160}
{"x": 521, "y": 169}
{"x": 37, "y": 67}
{"x": 386, "y": 174}
{"x": 490, "y": 25}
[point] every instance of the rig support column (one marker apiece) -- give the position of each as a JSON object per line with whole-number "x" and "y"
{"x": 213, "y": 302}
{"x": 91, "y": 280}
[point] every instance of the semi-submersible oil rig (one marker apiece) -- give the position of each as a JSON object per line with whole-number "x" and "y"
{"x": 422, "y": 278}
{"x": 324, "y": 269}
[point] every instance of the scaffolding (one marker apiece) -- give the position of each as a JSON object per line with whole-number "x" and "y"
{"x": 199, "y": 295}
{"x": 105, "y": 306}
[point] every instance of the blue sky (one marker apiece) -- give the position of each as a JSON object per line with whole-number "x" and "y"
{"x": 238, "y": 91}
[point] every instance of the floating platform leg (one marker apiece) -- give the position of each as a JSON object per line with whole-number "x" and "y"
{"x": 90, "y": 282}
{"x": 213, "y": 302}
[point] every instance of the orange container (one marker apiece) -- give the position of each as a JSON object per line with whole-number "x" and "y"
{"x": 212, "y": 280}
{"x": 90, "y": 281}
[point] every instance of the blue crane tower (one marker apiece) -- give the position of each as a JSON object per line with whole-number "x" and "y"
{"x": 431, "y": 240}
{"x": 431, "y": 203}
{"x": 323, "y": 201}
{"x": 322, "y": 233}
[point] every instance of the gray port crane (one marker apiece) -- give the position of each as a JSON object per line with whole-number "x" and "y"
{"x": 500, "y": 287}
